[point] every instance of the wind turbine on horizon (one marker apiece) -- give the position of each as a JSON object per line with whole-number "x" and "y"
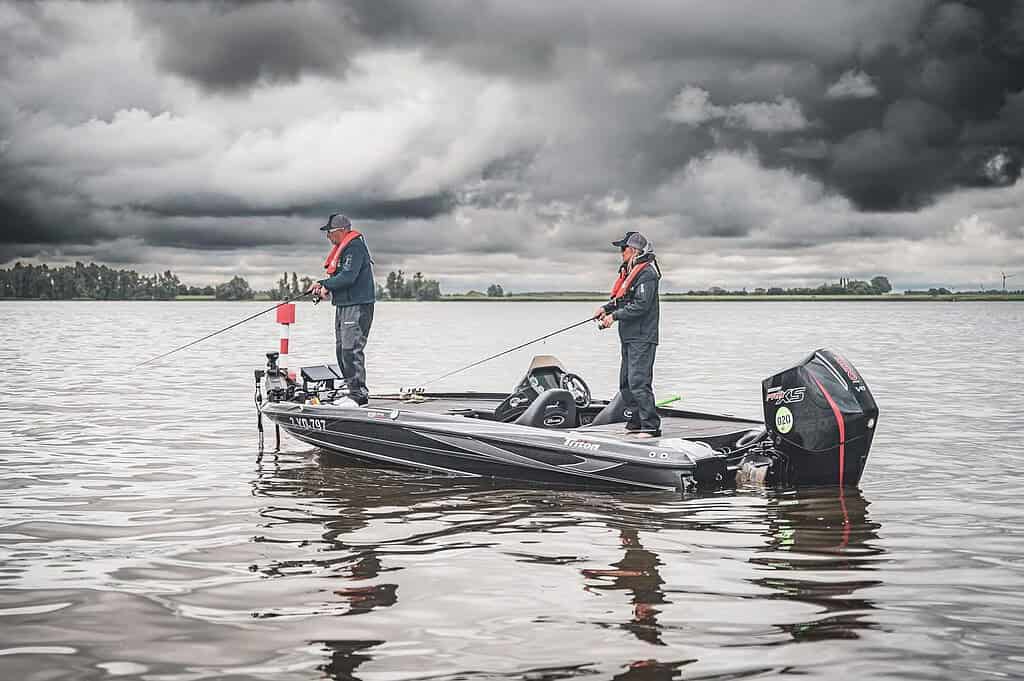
{"x": 1005, "y": 277}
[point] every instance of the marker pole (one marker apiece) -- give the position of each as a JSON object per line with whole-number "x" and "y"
{"x": 285, "y": 317}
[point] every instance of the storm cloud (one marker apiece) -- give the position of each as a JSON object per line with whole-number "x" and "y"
{"x": 509, "y": 140}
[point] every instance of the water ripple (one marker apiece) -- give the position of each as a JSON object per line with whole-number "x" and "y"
{"x": 141, "y": 537}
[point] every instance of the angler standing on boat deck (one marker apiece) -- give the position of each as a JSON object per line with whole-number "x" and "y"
{"x": 351, "y": 288}
{"x": 634, "y": 304}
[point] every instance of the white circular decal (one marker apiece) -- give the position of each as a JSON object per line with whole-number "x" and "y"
{"x": 784, "y": 420}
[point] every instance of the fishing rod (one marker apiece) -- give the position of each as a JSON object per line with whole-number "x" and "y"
{"x": 226, "y": 328}
{"x": 505, "y": 352}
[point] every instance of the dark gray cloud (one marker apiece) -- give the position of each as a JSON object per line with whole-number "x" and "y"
{"x": 921, "y": 135}
{"x": 360, "y": 207}
{"x": 937, "y": 71}
{"x": 30, "y": 219}
{"x": 234, "y": 46}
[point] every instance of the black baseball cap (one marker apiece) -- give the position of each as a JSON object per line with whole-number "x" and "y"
{"x": 336, "y": 221}
{"x": 632, "y": 239}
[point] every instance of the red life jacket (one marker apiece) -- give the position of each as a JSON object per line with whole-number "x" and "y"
{"x": 622, "y": 284}
{"x": 331, "y": 264}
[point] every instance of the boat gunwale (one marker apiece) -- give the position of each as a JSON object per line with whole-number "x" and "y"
{"x": 646, "y": 446}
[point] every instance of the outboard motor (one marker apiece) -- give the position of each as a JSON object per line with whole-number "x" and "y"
{"x": 821, "y": 418}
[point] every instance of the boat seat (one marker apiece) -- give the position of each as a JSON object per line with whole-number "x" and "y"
{"x": 555, "y": 408}
{"x": 614, "y": 412}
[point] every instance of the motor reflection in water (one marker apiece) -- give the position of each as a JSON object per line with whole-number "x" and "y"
{"x": 822, "y": 532}
{"x": 806, "y": 548}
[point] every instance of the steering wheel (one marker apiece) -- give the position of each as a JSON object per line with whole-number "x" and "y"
{"x": 579, "y": 389}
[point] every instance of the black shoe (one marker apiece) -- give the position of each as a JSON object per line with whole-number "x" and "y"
{"x": 633, "y": 427}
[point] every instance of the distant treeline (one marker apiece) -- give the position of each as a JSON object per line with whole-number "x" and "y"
{"x": 288, "y": 287}
{"x": 942, "y": 291}
{"x": 397, "y": 287}
{"x": 104, "y": 283}
{"x": 415, "y": 288}
{"x": 100, "y": 282}
{"x": 853, "y": 287}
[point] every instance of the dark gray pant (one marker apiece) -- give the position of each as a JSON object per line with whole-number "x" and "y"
{"x": 351, "y": 331}
{"x": 636, "y": 379}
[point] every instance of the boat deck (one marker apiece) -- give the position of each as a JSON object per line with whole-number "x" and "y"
{"x": 674, "y": 423}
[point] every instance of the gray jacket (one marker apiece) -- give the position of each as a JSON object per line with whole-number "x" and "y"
{"x": 637, "y": 312}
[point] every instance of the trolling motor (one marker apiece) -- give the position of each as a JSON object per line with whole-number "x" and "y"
{"x": 277, "y": 386}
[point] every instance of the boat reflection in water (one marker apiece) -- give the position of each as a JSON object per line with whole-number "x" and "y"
{"x": 359, "y": 526}
{"x": 811, "y": 532}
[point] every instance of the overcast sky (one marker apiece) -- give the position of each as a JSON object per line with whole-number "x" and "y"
{"x": 756, "y": 143}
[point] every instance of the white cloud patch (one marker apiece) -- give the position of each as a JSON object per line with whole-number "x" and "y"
{"x": 731, "y": 222}
{"x": 782, "y": 115}
{"x": 852, "y": 84}
{"x": 693, "y": 106}
{"x": 437, "y": 132}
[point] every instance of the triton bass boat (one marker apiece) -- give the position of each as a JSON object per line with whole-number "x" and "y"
{"x": 819, "y": 420}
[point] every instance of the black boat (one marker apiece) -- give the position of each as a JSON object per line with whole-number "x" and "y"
{"x": 820, "y": 418}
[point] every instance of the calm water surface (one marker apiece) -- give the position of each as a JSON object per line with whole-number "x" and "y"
{"x": 141, "y": 537}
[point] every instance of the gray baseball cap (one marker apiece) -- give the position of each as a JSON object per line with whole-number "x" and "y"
{"x": 336, "y": 221}
{"x": 633, "y": 240}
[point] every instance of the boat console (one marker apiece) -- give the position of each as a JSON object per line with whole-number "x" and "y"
{"x": 544, "y": 374}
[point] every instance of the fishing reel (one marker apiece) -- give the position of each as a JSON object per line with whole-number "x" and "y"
{"x": 314, "y": 294}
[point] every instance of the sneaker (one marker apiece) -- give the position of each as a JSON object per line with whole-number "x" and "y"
{"x": 645, "y": 434}
{"x": 632, "y": 427}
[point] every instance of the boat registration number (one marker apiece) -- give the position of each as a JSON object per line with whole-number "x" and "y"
{"x": 308, "y": 423}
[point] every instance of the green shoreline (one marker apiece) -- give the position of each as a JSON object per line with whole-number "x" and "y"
{"x": 685, "y": 298}
{"x": 665, "y": 298}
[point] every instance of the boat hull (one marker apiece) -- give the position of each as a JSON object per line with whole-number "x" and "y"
{"x": 457, "y": 445}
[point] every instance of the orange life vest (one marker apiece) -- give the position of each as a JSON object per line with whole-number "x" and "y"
{"x": 622, "y": 284}
{"x": 334, "y": 258}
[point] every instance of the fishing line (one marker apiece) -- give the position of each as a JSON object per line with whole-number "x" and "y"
{"x": 505, "y": 352}
{"x": 226, "y": 328}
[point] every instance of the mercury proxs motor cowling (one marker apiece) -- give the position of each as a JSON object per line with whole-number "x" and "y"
{"x": 821, "y": 417}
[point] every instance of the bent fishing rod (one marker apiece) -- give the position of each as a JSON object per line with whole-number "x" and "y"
{"x": 505, "y": 352}
{"x": 226, "y": 328}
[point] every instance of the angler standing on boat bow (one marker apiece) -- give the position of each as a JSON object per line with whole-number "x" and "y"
{"x": 634, "y": 304}
{"x": 350, "y": 286}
